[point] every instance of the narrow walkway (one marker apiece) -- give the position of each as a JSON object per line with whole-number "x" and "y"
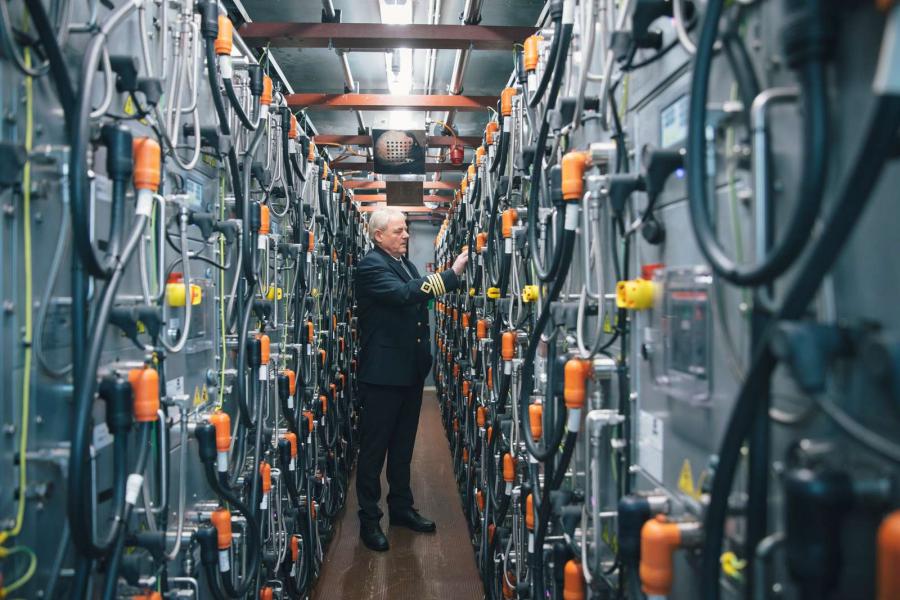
{"x": 419, "y": 566}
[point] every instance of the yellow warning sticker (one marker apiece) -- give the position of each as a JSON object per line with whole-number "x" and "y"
{"x": 129, "y": 109}
{"x": 204, "y": 394}
{"x": 197, "y": 398}
{"x": 686, "y": 480}
{"x": 607, "y": 324}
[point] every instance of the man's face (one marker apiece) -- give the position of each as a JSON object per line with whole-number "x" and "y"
{"x": 394, "y": 238}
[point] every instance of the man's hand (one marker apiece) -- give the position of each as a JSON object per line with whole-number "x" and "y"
{"x": 459, "y": 264}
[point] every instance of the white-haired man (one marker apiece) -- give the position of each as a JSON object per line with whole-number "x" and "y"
{"x": 394, "y": 359}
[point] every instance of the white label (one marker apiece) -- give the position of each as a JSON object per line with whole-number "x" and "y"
{"x": 102, "y": 436}
{"x": 530, "y": 543}
{"x": 261, "y": 242}
{"x": 264, "y": 503}
{"x": 650, "y": 445}
{"x": 293, "y": 464}
{"x": 290, "y": 402}
{"x": 175, "y": 386}
{"x": 263, "y": 372}
{"x": 224, "y": 565}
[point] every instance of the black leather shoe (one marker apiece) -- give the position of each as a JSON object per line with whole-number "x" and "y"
{"x": 413, "y": 520}
{"x": 371, "y": 535}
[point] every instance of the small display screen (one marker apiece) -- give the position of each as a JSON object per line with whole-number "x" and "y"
{"x": 673, "y": 123}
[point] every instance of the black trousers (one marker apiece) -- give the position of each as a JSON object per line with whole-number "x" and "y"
{"x": 390, "y": 418}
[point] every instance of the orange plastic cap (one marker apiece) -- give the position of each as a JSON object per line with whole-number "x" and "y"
{"x": 465, "y": 455}
{"x": 295, "y": 547}
{"x": 294, "y": 131}
{"x": 221, "y": 520}
{"x": 479, "y": 155}
{"x": 889, "y": 557}
{"x": 266, "y": 593}
{"x": 311, "y": 157}
{"x": 506, "y": 97}
{"x": 509, "y": 218}
{"x": 147, "y": 160}
{"x": 535, "y": 418}
{"x": 659, "y": 539}
{"x": 480, "y": 241}
{"x": 490, "y": 130}
{"x": 529, "y": 512}
{"x": 576, "y": 372}
{"x": 490, "y": 378}
{"x": 145, "y": 387}
{"x": 266, "y": 97}
{"x": 573, "y": 581}
{"x": 264, "y": 348}
{"x": 309, "y": 419}
{"x": 292, "y": 380}
{"x": 265, "y": 474}
{"x": 479, "y": 499}
{"x": 481, "y": 416}
{"x": 292, "y": 440}
{"x": 465, "y": 320}
{"x": 509, "y": 468}
{"x": 481, "y": 329}
{"x": 323, "y": 401}
{"x": 465, "y": 387}
{"x": 508, "y": 345}
{"x": 310, "y": 332}
{"x": 531, "y": 52}
{"x": 224, "y": 40}
{"x": 265, "y": 220}
{"x": 573, "y": 166}
{"x": 222, "y": 422}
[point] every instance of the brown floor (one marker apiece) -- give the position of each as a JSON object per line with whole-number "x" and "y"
{"x": 418, "y": 566}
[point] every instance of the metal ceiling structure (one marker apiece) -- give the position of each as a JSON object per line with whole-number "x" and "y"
{"x": 333, "y": 54}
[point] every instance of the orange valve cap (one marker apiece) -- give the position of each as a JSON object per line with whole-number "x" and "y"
{"x": 310, "y": 332}
{"x": 465, "y": 320}
{"x": 573, "y": 581}
{"x": 265, "y": 347}
{"x": 480, "y": 241}
{"x": 221, "y": 520}
{"x": 659, "y": 539}
{"x": 147, "y": 161}
{"x": 266, "y": 593}
{"x": 509, "y": 468}
{"x": 266, "y": 98}
{"x": 294, "y": 130}
{"x": 508, "y": 345}
{"x": 490, "y": 131}
{"x": 509, "y": 218}
{"x": 145, "y": 387}
{"x": 295, "y": 547}
{"x": 265, "y": 474}
{"x": 292, "y": 440}
{"x": 506, "y": 97}
{"x": 309, "y": 419}
{"x": 265, "y": 220}
{"x": 889, "y": 557}
{"x": 222, "y": 422}
{"x": 481, "y": 416}
{"x": 479, "y": 499}
{"x": 465, "y": 387}
{"x": 292, "y": 380}
{"x": 224, "y": 40}
{"x": 481, "y": 329}
{"x": 465, "y": 455}
{"x": 573, "y": 166}
{"x": 311, "y": 242}
{"x": 531, "y": 52}
{"x": 529, "y": 512}
{"x": 576, "y": 371}
{"x": 535, "y": 419}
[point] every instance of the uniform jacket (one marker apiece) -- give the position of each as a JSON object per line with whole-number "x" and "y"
{"x": 393, "y": 319}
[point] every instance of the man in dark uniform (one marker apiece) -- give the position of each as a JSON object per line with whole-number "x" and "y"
{"x": 395, "y": 357}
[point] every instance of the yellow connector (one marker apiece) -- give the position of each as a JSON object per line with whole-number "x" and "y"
{"x": 274, "y": 293}
{"x": 493, "y": 293}
{"x": 175, "y": 294}
{"x": 472, "y": 292}
{"x": 530, "y": 293}
{"x": 634, "y": 294}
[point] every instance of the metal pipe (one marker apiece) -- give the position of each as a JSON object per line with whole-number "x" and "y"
{"x": 759, "y": 118}
{"x": 471, "y": 16}
{"x": 328, "y": 8}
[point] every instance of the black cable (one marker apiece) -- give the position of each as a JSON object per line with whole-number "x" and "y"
{"x": 812, "y": 179}
{"x": 236, "y": 105}
{"x": 855, "y": 192}
{"x": 538, "y": 94}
